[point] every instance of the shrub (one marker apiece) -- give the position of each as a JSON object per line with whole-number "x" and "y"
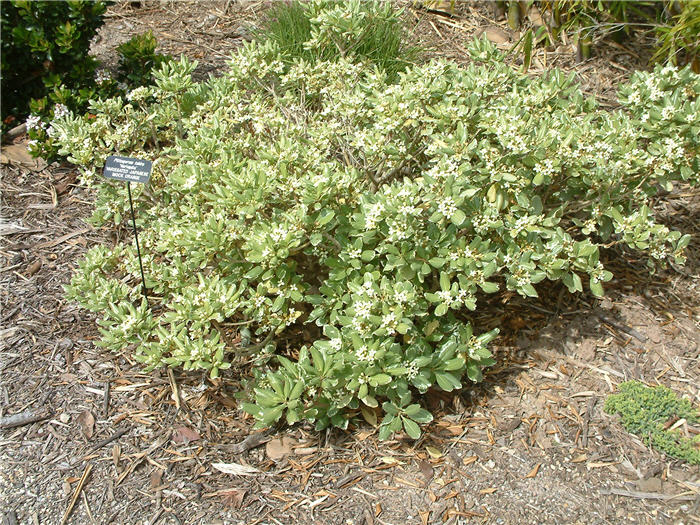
{"x": 137, "y": 59}
{"x": 357, "y": 30}
{"x": 45, "y": 45}
{"x": 46, "y": 68}
{"x": 650, "y": 411}
{"x": 322, "y": 202}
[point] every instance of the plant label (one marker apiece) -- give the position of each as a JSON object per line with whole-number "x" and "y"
{"x": 128, "y": 169}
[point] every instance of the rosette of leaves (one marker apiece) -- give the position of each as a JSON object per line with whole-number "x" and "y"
{"x": 359, "y": 220}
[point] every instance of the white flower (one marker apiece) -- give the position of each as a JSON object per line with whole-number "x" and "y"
{"x": 102, "y": 76}
{"x": 190, "y": 182}
{"x": 279, "y": 233}
{"x": 34, "y": 122}
{"x": 138, "y": 94}
{"x": 447, "y": 207}
{"x": 446, "y": 296}
{"x": 401, "y": 297}
{"x": 60, "y": 110}
{"x": 365, "y": 354}
{"x": 372, "y": 215}
{"x": 363, "y": 309}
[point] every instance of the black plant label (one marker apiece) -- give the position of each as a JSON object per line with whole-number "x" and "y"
{"x": 128, "y": 169}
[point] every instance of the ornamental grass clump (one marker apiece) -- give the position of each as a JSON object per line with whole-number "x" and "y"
{"x": 357, "y": 30}
{"x": 335, "y": 229}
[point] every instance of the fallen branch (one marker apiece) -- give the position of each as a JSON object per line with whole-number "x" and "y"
{"x": 23, "y": 418}
{"x": 629, "y": 331}
{"x": 16, "y": 131}
{"x": 647, "y": 495}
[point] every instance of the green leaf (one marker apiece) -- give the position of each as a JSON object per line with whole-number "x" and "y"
{"x": 416, "y": 413}
{"x": 441, "y": 309}
{"x": 380, "y": 379}
{"x": 447, "y": 381}
{"x": 528, "y": 290}
{"x": 578, "y": 285}
{"x": 411, "y": 428}
{"x": 271, "y": 415}
{"x": 315, "y": 239}
{"x": 456, "y": 363}
{"x": 325, "y": 217}
{"x": 385, "y": 430}
{"x": 444, "y": 281}
{"x": 437, "y": 262}
{"x": 527, "y": 50}
{"x": 488, "y": 287}
{"x": 474, "y": 372}
{"x": 458, "y": 218}
{"x": 596, "y": 288}
{"x": 254, "y": 272}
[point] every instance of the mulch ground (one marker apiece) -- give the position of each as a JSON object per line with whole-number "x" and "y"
{"x": 531, "y": 444}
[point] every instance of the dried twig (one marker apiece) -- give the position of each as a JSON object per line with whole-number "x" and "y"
{"x": 629, "y": 331}
{"x": 107, "y": 441}
{"x": 252, "y": 441}
{"x": 174, "y": 388}
{"x": 23, "y": 418}
{"x": 647, "y": 495}
{"x": 16, "y": 131}
{"x": 105, "y": 401}
{"x": 76, "y": 494}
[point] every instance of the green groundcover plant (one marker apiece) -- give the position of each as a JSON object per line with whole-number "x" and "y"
{"x": 359, "y": 220}
{"x": 650, "y": 413}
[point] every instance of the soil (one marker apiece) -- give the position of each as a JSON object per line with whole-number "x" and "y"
{"x": 531, "y": 444}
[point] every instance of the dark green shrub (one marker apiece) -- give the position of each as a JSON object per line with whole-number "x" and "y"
{"x": 137, "y": 58}
{"x": 45, "y": 50}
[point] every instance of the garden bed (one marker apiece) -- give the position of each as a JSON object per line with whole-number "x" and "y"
{"x": 529, "y": 444}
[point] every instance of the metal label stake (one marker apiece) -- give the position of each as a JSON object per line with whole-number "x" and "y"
{"x": 136, "y": 237}
{"x": 130, "y": 170}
